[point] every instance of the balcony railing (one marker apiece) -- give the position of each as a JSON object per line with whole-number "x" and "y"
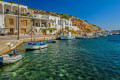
{"x": 45, "y": 17}
{"x": 41, "y": 16}
{"x": 7, "y": 12}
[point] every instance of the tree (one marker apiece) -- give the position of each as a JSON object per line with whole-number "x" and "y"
{"x": 48, "y": 12}
{"x": 34, "y": 9}
{"x": 67, "y": 28}
{"x": 65, "y": 16}
{"x": 1, "y": 0}
{"x": 73, "y": 31}
{"x": 11, "y": 2}
{"x": 59, "y": 13}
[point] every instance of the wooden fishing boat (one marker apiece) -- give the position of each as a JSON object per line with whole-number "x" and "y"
{"x": 67, "y": 37}
{"x": 35, "y": 45}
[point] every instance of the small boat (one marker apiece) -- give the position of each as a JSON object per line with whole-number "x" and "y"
{"x": 67, "y": 37}
{"x": 51, "y": 41}
{"x": 87, "y": 37}
{"x": 35, "y": 45}
{"x": 10, "y": 58}
{"x": 110, "y": 34}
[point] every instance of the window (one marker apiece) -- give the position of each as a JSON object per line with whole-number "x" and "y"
{"x": 37, "y": 24}
{"x": 11, "y": 22}
{"x": 49, "y": 24}
{"x": 24, "y": 22}
{"x": 50, "y": 31}
{"x": 23, "y": 31}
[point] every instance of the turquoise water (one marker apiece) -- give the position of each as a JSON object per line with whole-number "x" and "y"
{"x": 90, "y": 59}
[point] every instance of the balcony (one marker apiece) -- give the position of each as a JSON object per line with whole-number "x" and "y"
{"x": 41, "y": 16}
{"x": 7, "y": 12}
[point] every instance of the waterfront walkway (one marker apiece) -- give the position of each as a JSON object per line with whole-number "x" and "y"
{"x": 8, "y": 43}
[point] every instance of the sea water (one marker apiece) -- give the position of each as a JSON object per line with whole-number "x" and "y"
{"x": 77, "y": 59}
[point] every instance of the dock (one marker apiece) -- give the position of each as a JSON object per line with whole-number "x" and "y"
{"x": 8, "y": 43}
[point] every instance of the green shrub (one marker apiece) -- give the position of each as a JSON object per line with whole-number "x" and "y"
{"x": 11, "y": 2}
{"x": 23, "y": 14}
{"x": 88, "y": 30}
{"x": 48, "y": 12}
{"x": 48, "y": 29}
{"x": 65, "y": 16}
{"x": 67, "y": 28}
{"x": 59, "y": 13}
{"x": 73, "y": 32}
{"x": 34, "y": 9}
{"x": 1, "y": 0}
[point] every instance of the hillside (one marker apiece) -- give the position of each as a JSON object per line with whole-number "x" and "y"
{"x": 82, "y": 24}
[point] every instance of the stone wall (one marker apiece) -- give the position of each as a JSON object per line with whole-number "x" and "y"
{"x": 8, "y": 47}
{"x": 14, "y": 26}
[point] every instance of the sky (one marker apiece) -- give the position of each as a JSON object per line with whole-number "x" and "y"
{"x": 103, "y": 13}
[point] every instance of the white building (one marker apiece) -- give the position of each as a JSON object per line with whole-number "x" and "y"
{"x": 75, "y": 28}
{"x": 42, "y": 24}
{"x": 1, "y": 21}
{"x": 10, "y": 9}
{"x": 48, "y": 22}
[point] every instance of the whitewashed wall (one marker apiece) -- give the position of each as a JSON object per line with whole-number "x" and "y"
{"x": 1, "y": 21}
{"x": 74, "y": 28}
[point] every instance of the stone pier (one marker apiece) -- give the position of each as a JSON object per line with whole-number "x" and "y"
{"x": 8, "y": 43}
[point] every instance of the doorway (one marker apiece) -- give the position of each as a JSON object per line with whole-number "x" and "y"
{"x": 12, "y": 31}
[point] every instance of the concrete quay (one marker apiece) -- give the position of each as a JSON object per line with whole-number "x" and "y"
{"x": 8, "y": 43}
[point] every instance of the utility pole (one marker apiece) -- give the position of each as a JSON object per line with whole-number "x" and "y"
{"x": 71, "y": 12}
{"x": 18, "y": 20}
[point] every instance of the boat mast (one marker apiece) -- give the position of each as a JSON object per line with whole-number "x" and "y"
{"x": 31, "y": 29}
{"x": 79, "y": 29}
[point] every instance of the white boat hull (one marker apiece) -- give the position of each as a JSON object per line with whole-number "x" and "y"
{"x": 33, "y": 47}
{"x": 80, "y": 37}
{"x": 10, "y": 59}
{"x": 66, "y": 38}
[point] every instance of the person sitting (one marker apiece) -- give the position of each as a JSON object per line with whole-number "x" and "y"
{"x": 14, "y": 52}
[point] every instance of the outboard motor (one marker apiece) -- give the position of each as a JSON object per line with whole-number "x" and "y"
{"x": 22, "y": 55}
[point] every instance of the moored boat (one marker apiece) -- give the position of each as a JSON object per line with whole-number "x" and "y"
{"x": 10, "y": 58}
{"x": 87, "y": 37}
{"x": 51, "y": 41}
{"x": 67, "y": 37}
{"x": 35, "y": 45}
